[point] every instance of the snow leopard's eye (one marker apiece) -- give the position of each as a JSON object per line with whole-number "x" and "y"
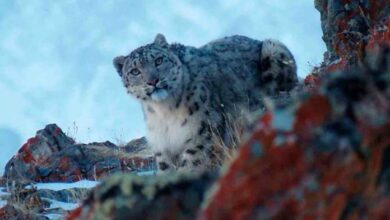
{"x": 158, "y": 61}
{"x": 135, "y": 72}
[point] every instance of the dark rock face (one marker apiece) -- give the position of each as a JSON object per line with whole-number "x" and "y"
{"x": 352, "y": 30}
{"x": 348, "y": 24}
{"x": 51, "y": 156}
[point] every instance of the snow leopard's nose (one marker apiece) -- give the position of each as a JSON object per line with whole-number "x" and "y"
{"x": 152, "y": 82}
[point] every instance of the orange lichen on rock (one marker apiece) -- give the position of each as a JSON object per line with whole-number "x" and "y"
{"x": 25, "y": 151}
{"x": 51, "y": 156}
{"x": 261, "y": 171}
{"x": 306, "y": 119}
{"x": 380, "y": 35}
{"x": 296, "y": 181}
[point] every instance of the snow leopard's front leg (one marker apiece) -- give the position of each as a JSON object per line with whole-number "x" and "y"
{"x": 198, "y": 155}
{"x": 164, "y": 163}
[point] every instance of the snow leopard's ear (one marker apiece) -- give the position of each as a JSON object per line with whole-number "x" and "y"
{"x": 118, "y": 64}
{"x": 160, "y": 40}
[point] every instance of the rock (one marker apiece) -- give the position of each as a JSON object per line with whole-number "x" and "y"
{"x": 2, "y": 181}
{"x": 352, "y": 31}
{"x": 126, "y": 196}
{"x": 23, "y": 204}
{"x": 136, "y": 146}
{"x": 27, "y": 199}
{"x": 31, "y": 203}
{"x": 328, "y": 160}
{"x": 72, "y": 195}
{"x": 10, "y": 212}
{"x": 348, "y": 26}
{"x": 51, "y": 156}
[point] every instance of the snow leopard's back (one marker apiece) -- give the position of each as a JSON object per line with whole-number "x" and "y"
{"x": 241, "y": 70}
{"x": 269, "y": 63}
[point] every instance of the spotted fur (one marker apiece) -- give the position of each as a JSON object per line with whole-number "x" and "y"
{"x": 188, "y": 94}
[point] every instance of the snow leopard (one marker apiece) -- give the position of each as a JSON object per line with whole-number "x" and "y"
{"x": 191, "y": 95}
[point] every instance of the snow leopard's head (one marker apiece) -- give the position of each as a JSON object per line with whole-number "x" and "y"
{"x": 151, "y": 72}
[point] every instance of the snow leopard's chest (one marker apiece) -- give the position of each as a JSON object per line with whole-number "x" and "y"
{"x": 169, "y": 129}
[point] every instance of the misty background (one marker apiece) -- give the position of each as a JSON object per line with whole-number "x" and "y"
{"x": 56, "y": 56}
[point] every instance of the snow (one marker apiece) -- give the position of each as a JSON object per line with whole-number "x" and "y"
{"x": 55, "y": 187}
{"x": 146, "y": 173}
{"x": 2, "y": 203}
{"x": 61, "y": 186}
{"x": 64, "y": 205}
{"x": 2, "y": 193}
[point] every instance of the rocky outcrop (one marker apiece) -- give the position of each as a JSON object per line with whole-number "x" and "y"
{"x": 352, "y": 29}
{"x": 24, "y": 204}
{"x": 51, "y": 156}
{"x": 72, "y": 195}
{"x": 31, "y": 203}
{"x": 326, "y": 155}
{"x": 330, "y": 160}
{"x": 11, "y": 212}
{"x": 348, "y": 26}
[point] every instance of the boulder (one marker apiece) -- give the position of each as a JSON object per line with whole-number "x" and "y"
{"x": 51, "y": 156}
{"x": 349, "y": 24}
{"x": 351, "y": 30}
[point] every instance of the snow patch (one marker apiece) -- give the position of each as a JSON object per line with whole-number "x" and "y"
{"x": 54, "y": 204}
{"x": 3, "y": 193}
{"x": 2, "y": 203}
{"x": 146, "y": 173}
{"x": 61, "y": 186}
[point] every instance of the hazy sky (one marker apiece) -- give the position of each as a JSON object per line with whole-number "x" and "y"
{"x": 56, "y": 56}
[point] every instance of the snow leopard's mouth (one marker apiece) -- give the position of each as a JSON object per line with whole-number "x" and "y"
{"x": 158, "y": 94}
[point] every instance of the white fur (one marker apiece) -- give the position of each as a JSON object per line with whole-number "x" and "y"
{"x": 165, "y": 131}
{"x": 159, "y": 95}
